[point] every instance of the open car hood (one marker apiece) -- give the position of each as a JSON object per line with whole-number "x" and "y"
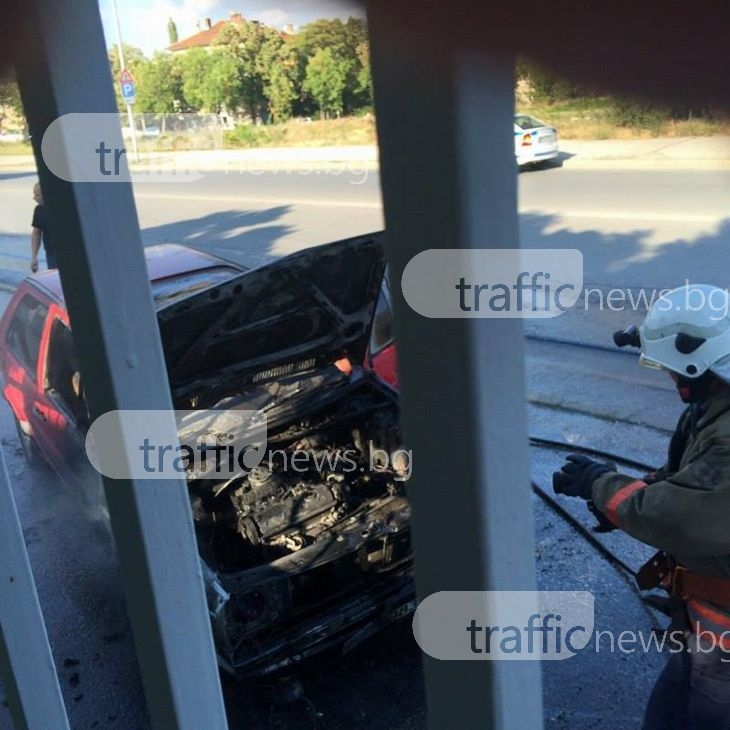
{"x": 299, "y": 311}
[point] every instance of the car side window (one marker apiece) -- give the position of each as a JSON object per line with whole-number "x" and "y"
{"x": 63, "y": 379}
{"x": 25, "y": 331}
{"x": 382, "y": 331}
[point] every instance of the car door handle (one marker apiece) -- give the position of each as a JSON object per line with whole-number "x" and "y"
{"x": 37, "y": 410}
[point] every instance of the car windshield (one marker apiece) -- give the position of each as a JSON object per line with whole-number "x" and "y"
{"x": 523, "y": 121}
{"x": 173, "y": 288}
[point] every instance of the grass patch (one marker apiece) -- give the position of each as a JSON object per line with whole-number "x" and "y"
{"x": 15, "y": 148}
{"x": 359, "y": 130}
{"x": 300, "y": 133}
{"x": 596, "y": 118}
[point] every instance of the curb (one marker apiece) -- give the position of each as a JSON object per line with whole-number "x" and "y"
{"x": 669, "y": 153}
{"x": 645, "y": 163}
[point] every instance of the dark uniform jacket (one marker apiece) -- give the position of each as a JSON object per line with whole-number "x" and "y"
{"x": 684, "y": 508}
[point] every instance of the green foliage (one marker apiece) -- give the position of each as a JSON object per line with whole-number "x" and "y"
{"x": 254, "y": 49}
{"x": 251, "y": 135}
{"x": 321, "y": 34}
{"x": 10, "y": 102}
{"x": 254, "y": 70}
{"x": 364, "y": 75}
{"x": 640, "y": 114}
{"x": 210, "y": 81}
{"x": 160, "y": 85}
{"x": 359, "y": 89}
{"x": 133, "y": 56}
{"x": 281, "y": 92}
{"x": 348, "y": 43}
{"x": 545, "y": 85}
{"x": 548, "y": 88}
{"x": 326, "y": 80}
{"x": 10, "y": 95}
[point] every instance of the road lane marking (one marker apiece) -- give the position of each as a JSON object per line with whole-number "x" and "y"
{"x": 323, "y": 203}
{"x": 630, "y": 216}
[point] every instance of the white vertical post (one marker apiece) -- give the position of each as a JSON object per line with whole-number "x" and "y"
{"x": 26, "y": 664}
{"x": 448, "y": 178}
{"x": 104, "y": 277}
{"x": 122, "y": 66}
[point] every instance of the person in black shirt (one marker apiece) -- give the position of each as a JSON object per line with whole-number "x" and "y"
{"x": 40, "y": 233}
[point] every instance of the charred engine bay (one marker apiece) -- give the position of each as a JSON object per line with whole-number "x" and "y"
{"x": 322, "y": 474}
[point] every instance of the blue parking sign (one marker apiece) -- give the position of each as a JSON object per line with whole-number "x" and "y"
{"x": 128, "y": 92}
{"x": 127, "y": 85}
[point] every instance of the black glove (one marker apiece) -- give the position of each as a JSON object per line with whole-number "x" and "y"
{"x": 577, "y": 476}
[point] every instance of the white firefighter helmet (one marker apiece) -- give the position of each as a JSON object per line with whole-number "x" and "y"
{"x": 687, "y": 331}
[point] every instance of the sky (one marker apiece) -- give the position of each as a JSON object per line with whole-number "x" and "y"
{"x": 144, "y": 22}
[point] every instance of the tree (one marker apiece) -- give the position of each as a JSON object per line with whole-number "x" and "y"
{"x": 133, "y": 56}
{"x": 364, "y": 75}
{"x": 325, "y": 81}
{"x": 160, "y": 86}
{"x": 321, "y": 34}
{"x": 283, "y": 88}
{"x": 255, "y": 49}
{"x": 172, "y": 31}
{"x": 10, "y": 104}
{"x": 348, "y": 42}
{"x": 359, "y": 89}
{"x": 281, "y": 93}
{"x": 210, "y": 81}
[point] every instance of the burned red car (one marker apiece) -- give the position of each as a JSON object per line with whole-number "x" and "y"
{"x": 40, "y": 369}
{"x": 295, "y": 561}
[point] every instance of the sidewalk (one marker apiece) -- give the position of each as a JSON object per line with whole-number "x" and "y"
{"x": 686, "y": 153}
{"x": 655, "y": 153}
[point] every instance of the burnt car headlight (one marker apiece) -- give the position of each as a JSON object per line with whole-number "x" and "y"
{"x": 248, "y": 608}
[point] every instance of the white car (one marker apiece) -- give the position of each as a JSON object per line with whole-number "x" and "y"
{"x": 534, "y": 141}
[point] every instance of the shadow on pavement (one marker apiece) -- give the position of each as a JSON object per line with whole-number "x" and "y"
{"x": 15, "y": 175}
{"x": 246, "y": 237}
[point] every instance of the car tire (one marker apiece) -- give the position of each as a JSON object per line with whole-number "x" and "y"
{"x": 30, "y": 449}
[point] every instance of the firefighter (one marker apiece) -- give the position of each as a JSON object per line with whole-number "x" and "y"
{"x": 683, "y": 509}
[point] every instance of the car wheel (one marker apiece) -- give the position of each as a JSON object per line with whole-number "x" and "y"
{"x": 30, "y": 449}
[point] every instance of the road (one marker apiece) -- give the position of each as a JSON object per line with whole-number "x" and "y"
{"x": 635, "y": 229}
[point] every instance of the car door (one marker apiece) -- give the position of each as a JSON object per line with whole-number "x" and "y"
{"x": 21, "y": 348}
{"x": 59, "y": 416}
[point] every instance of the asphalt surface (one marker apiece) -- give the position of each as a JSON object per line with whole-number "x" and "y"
{"x": 634, "y": 228}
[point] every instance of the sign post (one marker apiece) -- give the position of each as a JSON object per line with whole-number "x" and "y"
{"x": 126, "y": 80}
{"x": 129, "y": 94}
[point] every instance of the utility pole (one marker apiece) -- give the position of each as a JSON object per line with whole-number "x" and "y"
{"x": 122, "y": 65}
